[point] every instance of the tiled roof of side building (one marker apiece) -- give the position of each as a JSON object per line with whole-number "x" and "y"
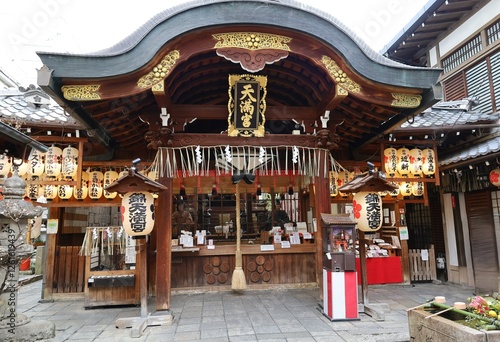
{"x": 32, "y": 105}
{"x": 451, "y": 113}
{"x": 481, "y": 149}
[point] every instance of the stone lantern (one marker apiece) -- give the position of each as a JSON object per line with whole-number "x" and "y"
{"x": 14, "y": 215}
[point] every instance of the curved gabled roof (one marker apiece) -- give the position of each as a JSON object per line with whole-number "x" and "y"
{"x": 141, "y": 46}
{"x": 306, "y": 49}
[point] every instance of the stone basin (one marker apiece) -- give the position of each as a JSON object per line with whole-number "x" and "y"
{"x": 442, "y": 329}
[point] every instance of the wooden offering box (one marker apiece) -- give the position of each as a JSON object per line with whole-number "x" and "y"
{"x": 110, "y": 274}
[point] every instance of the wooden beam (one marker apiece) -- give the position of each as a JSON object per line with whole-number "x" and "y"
{"x": 58, "y": 139}
{"x": 269, "y": 140}
{"x": 220, "y": 111}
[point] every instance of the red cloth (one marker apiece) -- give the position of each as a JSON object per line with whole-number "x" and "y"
{"x": 381, "y": 270}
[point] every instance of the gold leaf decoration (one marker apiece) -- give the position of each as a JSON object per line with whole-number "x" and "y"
{"x": 160, "y": 71}
{"x": 251, "y": 41}
{"x": 339, "y": 76}
{"x": 406, "y": 100}
{"x": 81, "y": 92}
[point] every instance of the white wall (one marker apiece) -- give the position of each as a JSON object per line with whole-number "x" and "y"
{"x": 450, "y": 231}
{"x": 472, "y": 25}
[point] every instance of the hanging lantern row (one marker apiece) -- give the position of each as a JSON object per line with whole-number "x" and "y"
{"x": 413, "y": 188}
{"x": 56, "y": 163}
{"x": 406, "y": 162}
{"x": 92, "y": 186}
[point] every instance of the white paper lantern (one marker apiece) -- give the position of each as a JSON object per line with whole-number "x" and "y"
{"x": 35, "y": 227}
{"x": 22, "y": 168}
{"x": 5, "y": 165}
{"x": 395, "y": 192}
{"x": 36, "y": 163}
{"x": 367, "y": 210}
{"x": 34, "y": 191}
{"x": 343, "y": 178}
{"x": 390, "y": 161}
{"x": 81, "y": 192}
{"x": 417, "y": 189}
{"x": 403, "y": 161}
{"x": 416, "y": 161}
{"x": 138, "y": 213}
{"x": 109, "y": 177}
{"x": 405, "y": 189}
{"x": 333, "y": 184}
{"x": 95, "y": 184}
{"x": 429, "y": 162}
{"x": 53, "y": 161}
{"x": 69, "y": 166}
{"x": 50, "y": 191}
{"x": 65, "y": 192}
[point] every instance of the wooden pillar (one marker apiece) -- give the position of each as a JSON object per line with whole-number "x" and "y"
{"x": 362, "y": 263}
{"x": 50, "y": 257}
{"x": 321, "y": 198}
{"x": 405, "y": 259}
{"x": 164, "y": 245}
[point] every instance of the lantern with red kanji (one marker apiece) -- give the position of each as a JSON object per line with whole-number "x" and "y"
{"x": 109, "y": 177}
{"x": 333, "y": 184}
{"x": 429, "y": 162}
{"x": 416, "y": 163}
{"x": 391, "y": 161}
{"x": 367, "y": 207}
{"x": 53, "y": 161}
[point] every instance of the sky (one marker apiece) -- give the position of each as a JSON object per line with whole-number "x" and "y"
{"x": 81, "y": 26}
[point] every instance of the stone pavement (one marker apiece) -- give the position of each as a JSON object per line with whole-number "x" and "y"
{"x": 264, "y": 315}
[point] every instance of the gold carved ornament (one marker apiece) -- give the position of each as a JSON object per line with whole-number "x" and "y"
{"x": 81, "y": 92}
{"x": 252, "y": 50}
{"x": 252, "y": 41}
{"x": 244, "y": 103}
{"x": 160, "y": 71}
{"x": 406, "y": 100}
{"x": 339, "y": 76}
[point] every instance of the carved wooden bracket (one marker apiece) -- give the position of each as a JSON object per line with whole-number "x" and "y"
{"x": 327, "y": 139}
{"x": 159, "y": 138}
{"x": 252, "y": 60}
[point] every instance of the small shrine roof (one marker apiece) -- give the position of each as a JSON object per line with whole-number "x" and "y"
{"x": 337, "y": 219}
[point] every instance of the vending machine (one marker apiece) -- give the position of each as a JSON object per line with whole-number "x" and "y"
{"x": 340, "y": 279}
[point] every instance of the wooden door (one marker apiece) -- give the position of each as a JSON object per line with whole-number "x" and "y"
{"x": 482, "y": 240}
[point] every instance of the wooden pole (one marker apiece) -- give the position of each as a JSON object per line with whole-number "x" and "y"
{"x": 143, "y": 271}
{"x": 362, "y": 268}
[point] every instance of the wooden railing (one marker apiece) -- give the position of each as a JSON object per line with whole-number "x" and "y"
{"x": 422, "y": 270}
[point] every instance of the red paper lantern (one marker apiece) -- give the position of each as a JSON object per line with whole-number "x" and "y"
{"x": 495, "y": 177}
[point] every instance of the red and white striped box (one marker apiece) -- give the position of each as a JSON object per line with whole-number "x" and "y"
{"x": 340, "y": 295}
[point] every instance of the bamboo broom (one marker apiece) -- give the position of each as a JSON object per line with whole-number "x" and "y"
{"x": 238, "y": 282}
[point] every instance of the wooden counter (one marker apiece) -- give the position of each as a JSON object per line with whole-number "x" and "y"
{"x": 214, "y": 267}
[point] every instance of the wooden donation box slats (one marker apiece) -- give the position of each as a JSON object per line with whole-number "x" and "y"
{"x": 110, "y": 274}
{"x": 106, "y": 280}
